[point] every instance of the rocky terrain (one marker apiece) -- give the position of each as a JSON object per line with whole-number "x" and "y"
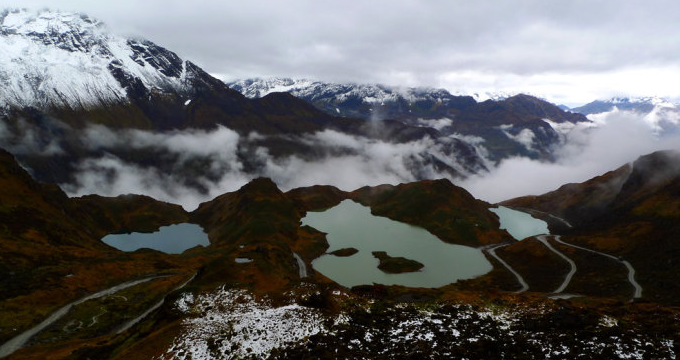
{"x": 205, "y": 304}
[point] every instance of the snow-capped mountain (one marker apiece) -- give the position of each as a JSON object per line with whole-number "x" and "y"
{"x": 519, "y": 124}
{"x": 78, "y": 100}
{"x": 58, "y": 59}
{"x": 369, "y": 101}
{"x": 638, "y": 104}
{"x": 660, "y": 114}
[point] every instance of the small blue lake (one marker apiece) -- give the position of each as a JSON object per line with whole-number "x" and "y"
{"x": 173, "y": 239}
{"x": 520, "y": 224}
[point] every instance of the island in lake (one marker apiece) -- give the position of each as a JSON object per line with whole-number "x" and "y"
{"x": 344, "y": 252}
{"x": 396, "y": 265}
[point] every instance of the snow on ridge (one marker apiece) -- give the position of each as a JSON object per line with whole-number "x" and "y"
{"x": 313, "y": 90}
{"x": 64, "y": 59}
{"x": 46, "y": 22}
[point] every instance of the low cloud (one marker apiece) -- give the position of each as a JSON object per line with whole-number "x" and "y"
{"x": 619, "y": 138}
{"x": 194, "y": 166}
{"x": 23, "y": 137}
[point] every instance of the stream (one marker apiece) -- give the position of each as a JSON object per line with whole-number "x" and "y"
{"x": 301, "y": 265}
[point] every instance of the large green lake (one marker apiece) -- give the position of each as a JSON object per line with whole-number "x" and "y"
{"x": 352, "y": 225}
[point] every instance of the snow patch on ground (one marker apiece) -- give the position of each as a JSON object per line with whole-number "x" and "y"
{"x": 233, "y": 324}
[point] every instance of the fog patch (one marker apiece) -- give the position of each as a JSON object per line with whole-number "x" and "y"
{"x": 525, "y": 137}
{"x": 616, "y": 139}
{"x": 437, "y": 124}
{"x": 111, "y": 176}
{"x": 25, "y": 138}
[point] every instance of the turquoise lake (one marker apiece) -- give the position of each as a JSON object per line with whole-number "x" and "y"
{"x": 173, "y": 239}
{"x": 352, "y": 225}
{"x": 520, "y": 224}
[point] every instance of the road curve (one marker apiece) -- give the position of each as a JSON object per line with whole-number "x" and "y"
{"x": 520, "y": 279}
{"x": 20, "y": 340}
{"x": 631, "y": 271}
{"x": 567, "y": 278}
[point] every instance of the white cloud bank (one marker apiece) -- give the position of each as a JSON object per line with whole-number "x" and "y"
{"x": 620, "y": 137}
{"x": 194, "y": 166}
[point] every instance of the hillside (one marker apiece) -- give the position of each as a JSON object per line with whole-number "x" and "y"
{"x": 632, "y": 212}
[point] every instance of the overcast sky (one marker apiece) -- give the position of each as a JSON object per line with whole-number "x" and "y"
{"x": 569, "y": 52}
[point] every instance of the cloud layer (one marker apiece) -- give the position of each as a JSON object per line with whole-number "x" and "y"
{"x": 194, "y": 166}
{"x": 571, "y": 52}
{"x": 619, "y": 138}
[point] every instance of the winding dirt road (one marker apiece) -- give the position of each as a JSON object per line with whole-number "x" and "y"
{"x": 631, "y": 271}
{"x": 520, "y": 279}
{"x": 301, "y": 266}
{"x": 20, "y": 340}
{"x": 572, "y": 271}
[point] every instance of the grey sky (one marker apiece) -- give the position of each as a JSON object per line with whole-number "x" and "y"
{"x": 567, "y": 51}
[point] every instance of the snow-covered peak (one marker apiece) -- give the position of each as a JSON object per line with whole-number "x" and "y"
{"x": 490, "y": 95}
{"x": 257, "y": 88}
{"x": 315, "y": 90}
{"x": 650, "y": 100}
{"x": 62, "y": 59}
{"x": 46, "y": 22}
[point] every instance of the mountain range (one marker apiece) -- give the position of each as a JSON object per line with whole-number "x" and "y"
{"x": 511, "y": 126}
{"x": 88, "y": 115}
{"x": 69, "y": 86}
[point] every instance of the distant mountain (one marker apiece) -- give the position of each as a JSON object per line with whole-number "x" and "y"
{"x": 508, "y": 125}
{"x": 661, "y": 114}
{"x": 639, "y": 104}
{"x": 367, "y": 101}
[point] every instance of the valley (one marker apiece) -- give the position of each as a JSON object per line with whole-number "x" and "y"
{"x": 282, "y": 281}
{"x": 151, "y": 210}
